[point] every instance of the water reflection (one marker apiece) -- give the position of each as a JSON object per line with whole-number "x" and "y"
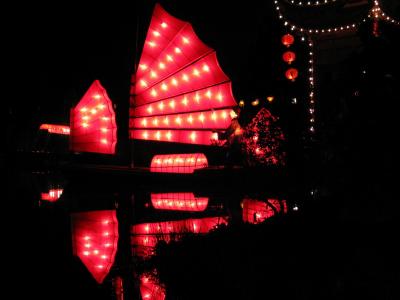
{"x": 256, "y": 211}
{"x": 95, "y": 238}
{"x": 178, "y": 201}
{"x": 116, "y": 230}
{"x": 52, "y": 195}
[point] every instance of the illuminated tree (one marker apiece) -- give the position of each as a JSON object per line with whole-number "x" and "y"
{"x": 263, "y": 140}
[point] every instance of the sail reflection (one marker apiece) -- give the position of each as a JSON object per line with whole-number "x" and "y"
{"x": 52, "y": 195}
{"x": 150, "y": 289}
{"x": 256, "y": 211}
{"x": 146, "y": 236}
{"x": 94, "y": 239}
{"x": 179, "y": 201}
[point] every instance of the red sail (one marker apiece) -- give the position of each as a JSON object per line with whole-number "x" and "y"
{"x": 93, "y": 126}
{"x": 179, "y": 92}
{"x": 95, "y": 238}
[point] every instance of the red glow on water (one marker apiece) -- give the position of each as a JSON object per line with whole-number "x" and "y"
{"x": 52, "y": 196}
{"x": 149, "y": 289}
{"x": 56, "y": 129}
{"x": 95, "y": 241}
{"x": 178, "y": 163}
{"x": 256, "y": 211}
{"x": 146, "y": 236}
{"x": 178, "y": 201}
{"x": 93, "y": 125}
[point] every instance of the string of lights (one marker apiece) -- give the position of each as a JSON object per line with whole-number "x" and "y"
{"x": 376, "y": 14}
{"x": 310, "y": 3}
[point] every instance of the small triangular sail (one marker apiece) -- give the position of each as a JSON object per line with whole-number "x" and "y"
{"x": 93, "y": 126}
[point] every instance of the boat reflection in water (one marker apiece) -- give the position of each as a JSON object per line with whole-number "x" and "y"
{"x": 118, "y": 233}
{"x": 256, "y": 211}
{"x": 94, "y": 240}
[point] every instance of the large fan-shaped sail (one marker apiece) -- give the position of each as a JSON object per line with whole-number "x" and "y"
{"x": 179, "y": 92}
{"x": 95, "y": 238}
{"x": 93, "y": 126}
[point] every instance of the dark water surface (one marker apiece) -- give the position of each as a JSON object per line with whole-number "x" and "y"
{"x": 120, "y": 241}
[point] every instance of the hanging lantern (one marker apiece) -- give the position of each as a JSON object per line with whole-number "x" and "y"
{"x": 287, "y": 40}
{"x": 289, "y": 57}
{"x": 291, "y": 74}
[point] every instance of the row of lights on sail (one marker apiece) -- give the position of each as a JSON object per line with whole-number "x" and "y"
{"x": 180, "y": 160}
{"x": 189, "y": 119}
{"x": 196, "y": 73}
{"x": 185, "y": 101}
{"x": 168, "y": 135}
{"x": 87, "y": 113}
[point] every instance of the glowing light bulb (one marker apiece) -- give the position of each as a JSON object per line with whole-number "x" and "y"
{"x": 86, "y": 253}
{"x": 178, "y": 120}
{"x": 164, "y": 25}
{"x": 166, "y": 121}
{"x": 155, "y": 122}
{"x": 93, "y": 111}
{"x": 152, "y": 44}
{"x": 193, "y": 136}
{"x": 213, "y": 116}
{"x": 143, "y": 83}
{"x": 86, "y": 238}
{"x": 206, "y": 68}
{"x": 85, "y": 125}
{"x": 184, "y": 101}
{"x": 169, "y": 58}
{"x": 156, "y": 33}
{"x": 143, "y": 67}
{"x": 104, "y": 257}
{"x": 168, "y": 135}
{"x": 185, "y": 40}
{"x": 164, "y": 87}
{"x": 101, "y": 106}
{"x": 197, "y": 98}
{"x": 158, "y": 135}
{"x": 219, "y": 97}
{"x": 196, "y": 72}
{"x": 161, "y": 106}
{"x": 185, "y": 77}
{"x": 201, "y": 118}
{"x": 104, "y": 130}
{"x": 149, "y": 109}
{"x": 209, "y": 94}
{"x": 145, "y": 135}
{"x": 103, "y": 141}
{"x": 172, "y": 104}
{"x": 95, "y": 252}
{"x": 153, "y": 74}
{"x": 153, "y": 92}
{"x": 85, "y": 118}
{"x": 161, "y": 65}
{"x": 190, "y": 119}
{"x": 178, "y": 50}
{"x": 174, "y": 81}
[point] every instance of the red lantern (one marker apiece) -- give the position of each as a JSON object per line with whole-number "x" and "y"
{"x": 287, "y": 40}
{"x": 289, "y": 57}
{"x": 291, "y": 74}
